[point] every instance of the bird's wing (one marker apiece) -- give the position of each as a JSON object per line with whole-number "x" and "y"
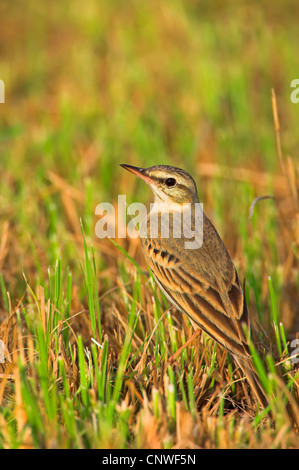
{"x": 204, "y": 284}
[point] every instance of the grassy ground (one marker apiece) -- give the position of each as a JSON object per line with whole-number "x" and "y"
{"x": 89, "y": 341}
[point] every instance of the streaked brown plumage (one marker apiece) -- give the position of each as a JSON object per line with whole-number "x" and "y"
{"x": 201, "y": 282}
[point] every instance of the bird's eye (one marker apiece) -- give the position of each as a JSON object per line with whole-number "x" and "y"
{"x": 170, "y": 182}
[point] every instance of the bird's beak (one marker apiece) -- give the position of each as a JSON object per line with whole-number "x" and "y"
{"x": 140, "y": 172}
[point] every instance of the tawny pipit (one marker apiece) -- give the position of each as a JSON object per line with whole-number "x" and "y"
{"x": 200, "y": 281}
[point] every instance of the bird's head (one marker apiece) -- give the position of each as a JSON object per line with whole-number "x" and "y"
{"x": 169, "y": 184}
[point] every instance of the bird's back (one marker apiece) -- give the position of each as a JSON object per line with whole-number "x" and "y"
{"x": 202, "y": 282}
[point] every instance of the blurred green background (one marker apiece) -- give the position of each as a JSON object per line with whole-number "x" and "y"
{"x": 93, "y": 84}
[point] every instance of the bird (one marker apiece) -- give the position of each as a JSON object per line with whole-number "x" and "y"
{"x": 200, "y": 279}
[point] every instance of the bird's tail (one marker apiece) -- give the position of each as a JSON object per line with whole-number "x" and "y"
{"x": 253, "y": 380}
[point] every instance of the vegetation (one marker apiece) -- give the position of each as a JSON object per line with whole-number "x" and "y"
{"x": 94, "y": 355}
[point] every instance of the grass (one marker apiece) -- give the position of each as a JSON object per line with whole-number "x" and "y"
{"x": 94, "y": 355}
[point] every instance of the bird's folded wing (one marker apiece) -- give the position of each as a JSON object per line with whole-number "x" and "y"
{"x": 217, "y": 310}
